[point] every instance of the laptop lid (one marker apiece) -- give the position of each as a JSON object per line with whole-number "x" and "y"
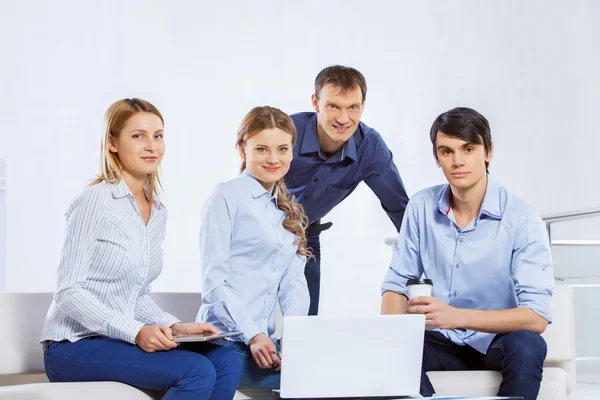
{"x": 374, "y": 356}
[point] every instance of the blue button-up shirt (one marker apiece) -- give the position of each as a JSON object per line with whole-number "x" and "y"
{"x": 249, "y": 260}
{"x": 320, "y": 183}
{"x": 500, "y": 260}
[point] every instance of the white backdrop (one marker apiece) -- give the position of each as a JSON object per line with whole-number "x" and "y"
{"x": 530, "y": 67}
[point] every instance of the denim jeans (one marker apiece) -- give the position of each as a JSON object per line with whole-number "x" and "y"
{"x": 312, "y": 272}
{"x": 205, "y": 372}
{"x": 518, "y": 355}
{"x": 254, "y": 377}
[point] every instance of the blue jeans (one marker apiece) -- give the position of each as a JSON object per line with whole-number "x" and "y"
{"x": 204, "y": 372}
{"x": 312, "y": 272}
{"x": 254, "y": 377}
{"x": 518, "y": 355}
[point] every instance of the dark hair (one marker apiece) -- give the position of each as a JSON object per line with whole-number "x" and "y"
{"x": 463, "y": 123}
{"x": 346, "y": 78}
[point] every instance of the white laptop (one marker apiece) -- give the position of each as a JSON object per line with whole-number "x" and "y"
{"x": 377, "y": 356}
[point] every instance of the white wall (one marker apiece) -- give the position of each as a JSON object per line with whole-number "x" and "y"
{"x": 2, "y": 226}
{"x": 530, "y": 67}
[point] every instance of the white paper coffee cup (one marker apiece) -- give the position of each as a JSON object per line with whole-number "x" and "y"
{"x": 419, "y": 287}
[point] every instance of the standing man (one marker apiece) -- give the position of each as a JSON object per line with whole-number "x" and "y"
{"x": 334, "y": 153}
{"x": 488, "y": 255}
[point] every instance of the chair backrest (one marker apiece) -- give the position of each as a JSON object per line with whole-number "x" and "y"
{"x": 23, "y": 315}
{"x": 560, "y": 334}
{"x": 184, "y": 306}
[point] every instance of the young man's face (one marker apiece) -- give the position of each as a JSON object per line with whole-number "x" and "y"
{"x": 463, "y": 163}
{"x": 338, "y": 114}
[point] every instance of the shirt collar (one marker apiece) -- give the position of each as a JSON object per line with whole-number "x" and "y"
{"x": 310, "y": 141}
{"x": 256, "y": 189}
{"x": 120, "y": 190}
{"x": 492, "y": 201}
{"x": 491, "y": 205}
{"x": 349, "y": 149}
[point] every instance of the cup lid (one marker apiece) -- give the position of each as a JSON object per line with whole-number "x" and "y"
{"x": 419, "y": 282}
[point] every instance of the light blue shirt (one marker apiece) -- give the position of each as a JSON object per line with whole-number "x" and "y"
{"x": 249, "y": 260}
{"x": 108, "y": 261}
{"x": 500, "y": 260}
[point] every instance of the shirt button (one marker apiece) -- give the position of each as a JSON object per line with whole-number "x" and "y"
{"x": 316, "y": 179}
{"x": 455, "y": 293}
{"x": 457, "y": 266}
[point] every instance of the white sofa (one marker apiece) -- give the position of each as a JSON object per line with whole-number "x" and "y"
{"x": 22, "y": 376}
{"x": 22, "y": 373}
{"x": 558, "y": 382}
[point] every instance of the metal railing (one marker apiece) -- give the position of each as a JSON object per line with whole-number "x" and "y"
{"x": 570, "y": 216}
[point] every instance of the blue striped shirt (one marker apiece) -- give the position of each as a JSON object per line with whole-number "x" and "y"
{"x": 249, "y": 260}
{"x": 500, "y": 260}
{"x": 108, "y": 261}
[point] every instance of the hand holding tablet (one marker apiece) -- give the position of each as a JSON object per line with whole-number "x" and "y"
{"x": 203, "y": 337}
{"x": 198, "y": 332}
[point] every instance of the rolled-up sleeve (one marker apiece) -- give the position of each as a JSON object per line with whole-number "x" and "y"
{"x": 531, "y": 267}
{"x": 406, "y": 261}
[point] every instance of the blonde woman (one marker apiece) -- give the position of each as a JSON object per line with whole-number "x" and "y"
{"x": 102, "y": 324}
{"x": 253, "y": 248}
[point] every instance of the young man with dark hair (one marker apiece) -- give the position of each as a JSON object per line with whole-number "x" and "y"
{"x": 488, "y": 255}
{"x": 334, "y": 153}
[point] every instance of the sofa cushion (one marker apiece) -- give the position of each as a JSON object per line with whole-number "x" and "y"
{"x": 76, "y": 391}
{"x": 555, "y": 386}
{"x": 95, "y": 391}
{"x": 243, "y": 394}
{"x": 555, "y": 383}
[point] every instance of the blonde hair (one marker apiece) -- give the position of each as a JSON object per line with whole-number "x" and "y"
{"x": 110, "y": 164}
{"x": 257, "y": 120}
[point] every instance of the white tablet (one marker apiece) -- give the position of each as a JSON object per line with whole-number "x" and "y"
{"x": 203, "y": 337}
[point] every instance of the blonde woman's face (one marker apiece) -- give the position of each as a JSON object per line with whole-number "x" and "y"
{"x": 140, "y": 145}
{"x": 268, "y": 155}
